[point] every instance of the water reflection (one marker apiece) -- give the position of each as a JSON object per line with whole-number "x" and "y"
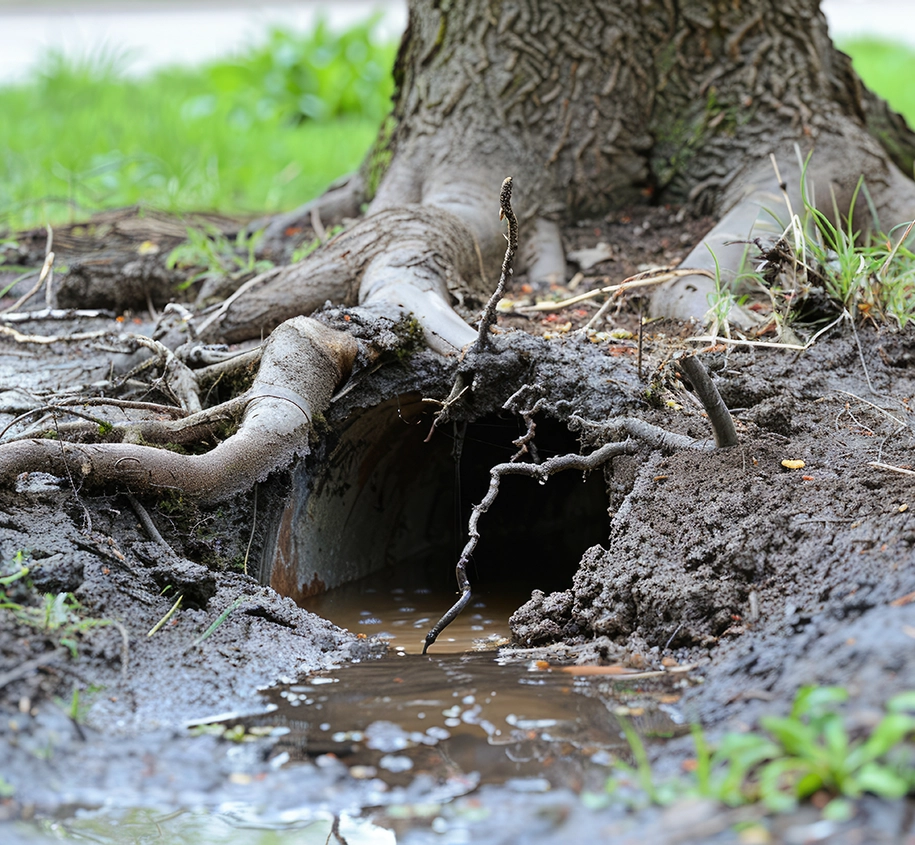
{"x": 462, "y": 720}
{"x": 404, "y": 613}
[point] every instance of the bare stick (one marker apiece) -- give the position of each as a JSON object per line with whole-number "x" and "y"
{"x": 539, "y": 471}
{"x": 76, "y": 337}
{"x": 891, "y": 468}
{"x": 50, "y": 297}
{"x": 135, "y": 404}
{"x": 148, "y": 523}
{"x": 26, "y": 668}
{"x": 55, "y": 314}
{"x": 718, "y": 414}
{"x": 45, "y": 272}
{"x": 659, "y": 438}
{"x": 181, "y": 381}
{"x": 488, "y": 320}
{"x": 640, "y": 280}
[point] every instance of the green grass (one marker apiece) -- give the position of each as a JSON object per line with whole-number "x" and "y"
{"x": 259, "y": 133}
{"x": 887, "y": 69}
{"x": 813, "y": 750}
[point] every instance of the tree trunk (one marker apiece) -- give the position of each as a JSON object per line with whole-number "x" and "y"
{"x": 593, "y": 106}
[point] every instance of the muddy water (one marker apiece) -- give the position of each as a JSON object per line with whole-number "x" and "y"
{"x": 401, "y": 610}
{"x": 370, "y": 752}
{"x": 461, "y": 715}
{"x": 462, "y": 719}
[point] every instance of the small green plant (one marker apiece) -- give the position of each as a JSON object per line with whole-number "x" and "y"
{"x": 810, "y": 751}
{"x": 58, "y": 615}
{"x": 821, "y": 269}
{"x": 213, "y": 256}
{"x": 77, "y": 707}
{"x": 724, "y": 299}
{"x": 815, "y": 752}
{"x": 307, "y": 248}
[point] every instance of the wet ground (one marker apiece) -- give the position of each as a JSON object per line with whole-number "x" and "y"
{"x": 758, "y": 577}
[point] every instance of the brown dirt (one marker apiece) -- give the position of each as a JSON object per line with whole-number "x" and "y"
{"x": 769, "y": 577}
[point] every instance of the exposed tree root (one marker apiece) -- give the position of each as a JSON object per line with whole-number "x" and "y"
{"x": 303, "y": 362}
{"x": 410, "y": 258}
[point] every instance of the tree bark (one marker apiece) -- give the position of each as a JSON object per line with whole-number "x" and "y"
{"x": 596, "y": 105}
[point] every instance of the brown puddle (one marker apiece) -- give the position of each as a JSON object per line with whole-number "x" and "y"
{"x": 463, "y": 717}
{"x": 402, "y": 614}
{"x": 461, "y": 714}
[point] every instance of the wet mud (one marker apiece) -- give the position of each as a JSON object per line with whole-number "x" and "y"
{"x": 763, "y": 577}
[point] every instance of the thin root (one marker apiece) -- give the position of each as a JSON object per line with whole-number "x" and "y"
{"x": 541, "y": 472}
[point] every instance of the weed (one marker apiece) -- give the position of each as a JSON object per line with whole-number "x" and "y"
{"x": 810, "y": 751}
{"x": 721, "y": 301}
{"x": 306, "y": 249}
{"x": 77, "y": 707}
{"x": 213, "y": 256}
{"x": 219, "y": 620}
{"x": 57, "y": 615}
{"x": 816, "y": 752}
{"x": 822, "y": 268}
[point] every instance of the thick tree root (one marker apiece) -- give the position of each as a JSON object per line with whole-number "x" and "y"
{"x": 411, "y": 257}
{"x": 303, "y": 362}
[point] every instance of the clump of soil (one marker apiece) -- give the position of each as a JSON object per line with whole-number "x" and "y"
{"x": 731, "y": 558}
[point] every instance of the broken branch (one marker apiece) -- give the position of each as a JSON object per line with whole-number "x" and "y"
{"x": 539, "y": 471}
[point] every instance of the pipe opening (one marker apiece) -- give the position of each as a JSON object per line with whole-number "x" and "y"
{"x": 385, "y": 501}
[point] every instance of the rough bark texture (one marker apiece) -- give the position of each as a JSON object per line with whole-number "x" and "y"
{"x": 769, "y": 577}
{"x": 591, "y": 105}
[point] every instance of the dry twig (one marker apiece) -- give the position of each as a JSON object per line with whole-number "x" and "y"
{"x": 488, "y": 320}
{"x": 541, "y": 472}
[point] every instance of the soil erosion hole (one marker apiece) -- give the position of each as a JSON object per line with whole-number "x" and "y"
{"x": 383, "y": 499}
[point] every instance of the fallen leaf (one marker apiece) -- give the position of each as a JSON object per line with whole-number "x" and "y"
{"x": 789, "y": 464}
{"x": 908, "y": 598}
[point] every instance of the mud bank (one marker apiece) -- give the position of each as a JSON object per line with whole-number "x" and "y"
{"x": 765, "y": 577}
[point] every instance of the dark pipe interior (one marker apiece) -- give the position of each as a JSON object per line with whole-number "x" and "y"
{"x": 387, "y": 499}
{"x": 534, "y": 534}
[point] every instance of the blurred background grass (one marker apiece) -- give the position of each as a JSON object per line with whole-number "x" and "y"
{"x": 261, "y": 132}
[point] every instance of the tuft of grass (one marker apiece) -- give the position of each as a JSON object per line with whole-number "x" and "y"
{"x": 811, "y": 751}
{"x": 822, "y": 269}
{"x": 262, "y": 132}
{"x": 208, "y": 254}
{"x": 59, "y": 616}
